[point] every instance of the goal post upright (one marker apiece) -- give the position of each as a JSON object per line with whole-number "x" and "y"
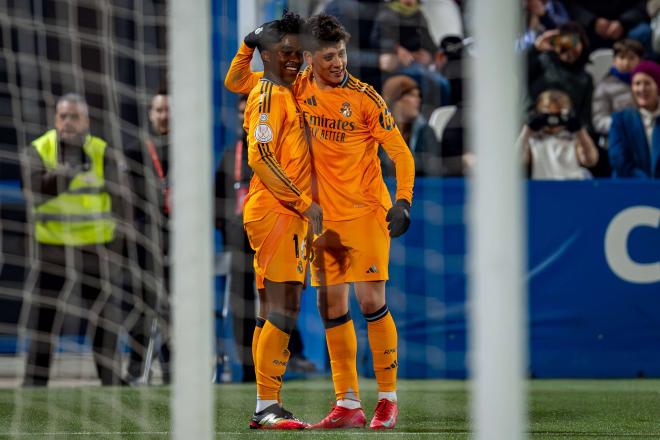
{"x": 192, "y": 250}
{"x": 497, "y": 298}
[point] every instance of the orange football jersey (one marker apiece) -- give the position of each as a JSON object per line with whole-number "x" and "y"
{"x": 278, "y": 153}
{"x": 347, "y": 124}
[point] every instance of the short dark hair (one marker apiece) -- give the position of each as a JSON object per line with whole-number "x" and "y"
{"x": 322, "y": 30}
{"x": 625, "y": 46}
{"x": 290, "y": 23}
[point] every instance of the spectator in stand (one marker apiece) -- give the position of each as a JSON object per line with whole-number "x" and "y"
{"x": 449, "y": 62}
{"x": 608, "y": 21}
{"x": 541, "y": 16}
{"x": 149, "y": 169}
{"x": 555, "y": 145}
{"x": 456, "y": 160}
{"x": 403, "y": 97}
{"x": 557, "y": 61}
{"x": 401, "y": 33}
{"x": 232, "y": 180}
{"x": 358, "y": 17}
{"x": 634, "y": 143}
{"x": 653, "y": 9}
{"x": 612, "y": 93}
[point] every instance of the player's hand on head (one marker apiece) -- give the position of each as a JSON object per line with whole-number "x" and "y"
{"x": 253, "y": 39}
{"x": 398, "y": 218}
{"x": 315, "y": 216}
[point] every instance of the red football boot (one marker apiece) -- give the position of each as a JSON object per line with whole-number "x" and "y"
{"x": 385, "y": 415}
{"x": 342, "y": 418}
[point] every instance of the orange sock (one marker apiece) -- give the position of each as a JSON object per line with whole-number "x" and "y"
{"x": 272, "y": 356}
{"x": 383, "y": 343}
{"x": 342, "y": 348}
{"x": 259, "y": 325}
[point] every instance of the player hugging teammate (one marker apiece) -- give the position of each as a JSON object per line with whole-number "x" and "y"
{"x": 347, "y": 122}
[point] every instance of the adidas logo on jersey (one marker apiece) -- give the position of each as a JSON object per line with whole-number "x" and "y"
{"x": 311, "y": 100}
{"x": 372, "y": 269}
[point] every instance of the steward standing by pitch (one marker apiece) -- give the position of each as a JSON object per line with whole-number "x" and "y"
{"x": 75, "y": 184}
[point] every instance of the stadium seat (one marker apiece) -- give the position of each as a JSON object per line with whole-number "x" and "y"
{"x": 600, "y": 62}
{"x": 439, "y": 119}
{"x": 444, "y": 18}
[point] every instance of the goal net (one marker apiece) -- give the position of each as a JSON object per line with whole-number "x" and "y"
{"x": 76, "y": 317}
{"x": 98, "y": 312}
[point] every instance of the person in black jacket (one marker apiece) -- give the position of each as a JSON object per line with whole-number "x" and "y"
{"x": 608, "y": 21}
{"x": 232, "y": 180}
{"x": 149, "y": 318}
{"x": 557, "y": 61}
{"x": 401, "y": 33}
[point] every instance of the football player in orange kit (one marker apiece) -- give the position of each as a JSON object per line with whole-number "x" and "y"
{"x": 276, "y": 210}
{"x": 348, "y": 120}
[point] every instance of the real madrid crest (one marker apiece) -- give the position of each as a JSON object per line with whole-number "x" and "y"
{"x": 346, "y": 110}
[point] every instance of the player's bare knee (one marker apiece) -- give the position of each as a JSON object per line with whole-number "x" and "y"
{"x": 370, "y": 303}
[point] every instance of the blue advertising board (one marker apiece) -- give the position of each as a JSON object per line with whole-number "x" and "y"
{"x": 593, "y": 278}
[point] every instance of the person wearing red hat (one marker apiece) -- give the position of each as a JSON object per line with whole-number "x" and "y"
{"x": 634, "y": 137}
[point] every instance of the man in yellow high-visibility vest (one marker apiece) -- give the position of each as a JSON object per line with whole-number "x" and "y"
{"x": 74, "y": 183}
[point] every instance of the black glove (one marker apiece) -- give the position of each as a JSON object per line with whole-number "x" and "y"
{"x": 253, "y": 39}
{"x": 537, "y": 121}
{"x": 398, "y": 218}
{"x": 573, "y": 123}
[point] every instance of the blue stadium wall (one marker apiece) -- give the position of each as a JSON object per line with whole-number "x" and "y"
{"x": 593, "y": 278}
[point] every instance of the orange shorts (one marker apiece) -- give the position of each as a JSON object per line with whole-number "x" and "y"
{"x": 352, "y": 250}
{"x": 280, "y": 246}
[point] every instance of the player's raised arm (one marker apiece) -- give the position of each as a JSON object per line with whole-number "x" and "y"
{"x": 240, "y": 79}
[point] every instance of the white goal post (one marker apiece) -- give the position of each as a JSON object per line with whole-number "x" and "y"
{"x": 192, "y": 271}
{"x": 496, "y": 295}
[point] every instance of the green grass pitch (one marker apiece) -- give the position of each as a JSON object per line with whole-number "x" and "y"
{"x": 559, "y": 409}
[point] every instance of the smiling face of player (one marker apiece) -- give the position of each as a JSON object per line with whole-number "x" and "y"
{"x": 328, "y": 64}
{"x": 283, "y": 59}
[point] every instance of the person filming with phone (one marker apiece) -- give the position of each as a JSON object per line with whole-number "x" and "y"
{"x": 555, "y": 143}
